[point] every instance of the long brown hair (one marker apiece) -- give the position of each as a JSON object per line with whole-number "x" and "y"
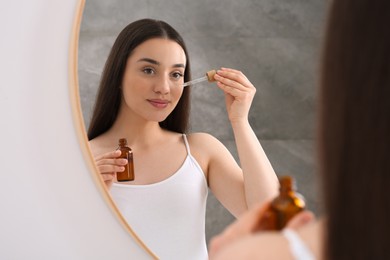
{"x": 109, "y": 94}
{"x": 354, "y": 138}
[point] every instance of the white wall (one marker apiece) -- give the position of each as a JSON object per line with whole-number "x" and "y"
{"x": 51, "y": 206}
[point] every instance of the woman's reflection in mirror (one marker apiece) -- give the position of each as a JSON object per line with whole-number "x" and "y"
{"x": 141, "y": 98}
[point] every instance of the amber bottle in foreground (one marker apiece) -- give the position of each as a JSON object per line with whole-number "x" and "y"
{"x": 127, "y": 153}
{"x": 284, "y": 207}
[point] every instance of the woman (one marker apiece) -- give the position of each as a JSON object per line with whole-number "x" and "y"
{"x": 141, "y": 98}
{"x": 354, "y": 148}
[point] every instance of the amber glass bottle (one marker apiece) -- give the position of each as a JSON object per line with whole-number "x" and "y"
{"x": 127, "y": 153}
{"x": 285, "y": 206}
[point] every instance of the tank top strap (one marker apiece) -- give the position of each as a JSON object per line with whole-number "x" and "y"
{"x": 298, "y": 248}
{"x": 186, "y": 144}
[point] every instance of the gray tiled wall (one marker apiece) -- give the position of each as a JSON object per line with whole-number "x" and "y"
{"x": 275, "y": 43}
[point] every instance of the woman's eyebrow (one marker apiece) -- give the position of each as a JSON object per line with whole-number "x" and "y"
{"x": 179, "y": 65}
{"x": 149, "y": 60}
{"x": 152, "y": 61}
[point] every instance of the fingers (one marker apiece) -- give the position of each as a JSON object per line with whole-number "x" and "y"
{"x": 109, "y": 155}
{"x": 233, "y": 78}
{"x": 236, "y": 84}
{"x": 110, "y": 168}
{"x": 109, "y": 163}
{"x": 301, "y": 219}
{"x": 239, "y": 93}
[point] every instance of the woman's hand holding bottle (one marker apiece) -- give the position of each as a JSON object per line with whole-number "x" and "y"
{"x": 109, "y": 164}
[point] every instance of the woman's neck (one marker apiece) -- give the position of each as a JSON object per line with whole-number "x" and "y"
{"x": 136, "y": 130}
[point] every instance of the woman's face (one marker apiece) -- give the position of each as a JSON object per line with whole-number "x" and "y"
{"x": 153, "y": 79}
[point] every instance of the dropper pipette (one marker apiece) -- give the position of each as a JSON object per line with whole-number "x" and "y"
{"x": 209, "y": 77}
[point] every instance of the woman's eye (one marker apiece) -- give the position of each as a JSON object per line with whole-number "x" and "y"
{"x": 177, "y": 75}
{"x": 148, "y": 71}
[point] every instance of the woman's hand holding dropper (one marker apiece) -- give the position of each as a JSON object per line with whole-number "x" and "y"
{"x": 239, "y": 93}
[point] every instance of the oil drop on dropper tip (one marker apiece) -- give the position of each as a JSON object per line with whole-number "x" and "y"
{"x": 209, "y": 77}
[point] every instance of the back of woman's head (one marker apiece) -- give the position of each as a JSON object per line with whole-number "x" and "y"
{"x": 109, "y": 94}
{"x": 355, "y": 129}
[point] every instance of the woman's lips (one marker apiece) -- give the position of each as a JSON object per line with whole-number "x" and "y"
{"x": 158, "y": 103}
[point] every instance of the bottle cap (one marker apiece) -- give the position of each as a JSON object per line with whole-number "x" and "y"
{"x": 287, "y": 182}
{"x": 122, "y": 141}
{"x": 210, "y": 75}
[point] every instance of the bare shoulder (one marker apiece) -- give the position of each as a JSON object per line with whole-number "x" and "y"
{"x": 206, "y": 144}
{"x": 203, "y": 141}
{"x": 206, "y": 149}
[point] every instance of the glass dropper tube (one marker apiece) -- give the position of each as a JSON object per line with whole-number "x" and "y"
{"x": 209, "y": 77}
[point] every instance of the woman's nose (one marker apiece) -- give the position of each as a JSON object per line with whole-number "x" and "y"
{"x": 162, "y": 85}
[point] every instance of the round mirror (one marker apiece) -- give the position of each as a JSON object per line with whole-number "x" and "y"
{"x": 274, "y": 43}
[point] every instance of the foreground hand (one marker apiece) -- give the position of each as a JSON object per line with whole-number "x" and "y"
{"x": 239, "y": 92}
{"x": 109, "y": 164}
{"x": 250, "y": 223}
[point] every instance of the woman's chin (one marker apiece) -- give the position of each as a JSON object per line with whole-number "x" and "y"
{"x": 158, "y": 119}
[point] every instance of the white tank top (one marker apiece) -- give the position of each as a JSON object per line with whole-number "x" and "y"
{"x": 169, "y": 216}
